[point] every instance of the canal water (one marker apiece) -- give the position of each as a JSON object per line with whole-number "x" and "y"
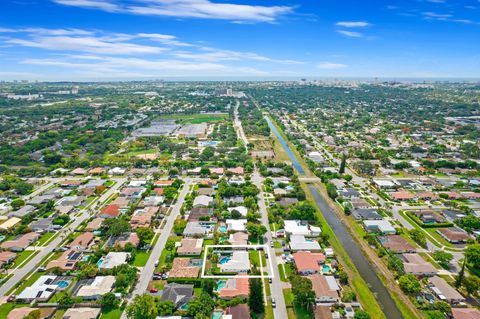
{"x": 383, "y": 297}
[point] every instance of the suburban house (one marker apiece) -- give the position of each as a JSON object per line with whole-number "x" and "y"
{"x": 379, "y": 226}
{"x": 237, "y": 225}
{"x": 241, "y": 209}
{"x": 197, "y": 229}
{"x": 67, "y": 261}
{"x": 203, "y": 201}
{"x": 93, "y": 289}
{"x": 185, "y": 268}
{"x": 41, "y": 290}
{"x": 366, "y": 214}
{"x": 308, "y": 263}
{"x": 20, "y": 242}
{"x": 454, "y": 235}
{"x": 113, "y": 259}
{"x": 396, "y": 244}
{"x": 110, "y": 211}
{"x": 7, "y": 257}
{"x": 241, "y": 311}
{"x": 300, "y": 227}
{"x": 190, "y": 247}
{"x": 239, "y": 262}
{"x": 235, "y": 287}
{"x": 238, "y": 238}
{"x": 299, "y": 242}
{"x": 197, "y": 213}
{"x": 444, "y": 291}
{"x": 178, "y": 294}
{"x": 82, "y": 313}
{"x": 82, "y": 242}
{"x": 416, "y": 265}
{"x": 326, "y": 289}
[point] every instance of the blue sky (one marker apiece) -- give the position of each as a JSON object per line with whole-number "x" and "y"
{"x": 146, "y": 39}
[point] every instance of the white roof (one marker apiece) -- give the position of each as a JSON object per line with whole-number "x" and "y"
{"x": 236, "y": 224}
{"x": 241, "y": 209}
{"x": 383, "y": 182}
{"x": 299, "y": 242}
{"x": 137, "y": 183}
{"x": 332, "y": 283}
{"x": 202, "y": 200}
{"x": 383, "y": 225}
{"x": 114, "y": 259}
{"x": 100, "y": 286}
{"x": 239, "y": 261}
{"x": 39, "y": 289}
{"x": 296, "y": 227}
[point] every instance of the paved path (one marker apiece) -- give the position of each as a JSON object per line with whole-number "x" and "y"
{"x": 149, "y": 268}
{"x": 31, "y": 266}
{"x": 276, "y": 289}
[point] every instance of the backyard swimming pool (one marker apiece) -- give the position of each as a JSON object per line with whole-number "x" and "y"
{"x": 62, "y": 284}
{"x": 222, "y": 229}
{"x": 224, "y": 260}
{"x": 99, "y": 263}
{"x": 217, "y": 315}
{"x": 326, "y": 269}
{"x": 221, "y": 284}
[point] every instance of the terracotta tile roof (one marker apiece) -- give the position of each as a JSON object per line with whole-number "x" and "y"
{"x": 111, "y": 210}
{"x": 465, "y": 313}
{"x": 235, "y": 287}
{"x": 182, "y": 268}
{"x": 305, "y": 260}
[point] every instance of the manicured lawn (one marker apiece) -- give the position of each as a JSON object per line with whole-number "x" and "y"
{"x": 195, "y": 118}
{"x": 45, "y": 237}
{"x": 253, "y": 254}
{"x": 288, "y": 295}
{"x": 112, "y": 314}
{"x": 22, "y": 256}
{"x": 282, "y": 273}
{"x": 5, "y": 309}
{"x": 141, "y": 258}
{"x": 29, "y": 281}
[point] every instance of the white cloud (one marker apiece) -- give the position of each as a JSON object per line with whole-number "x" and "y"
{"x": 91, "y": 4}
{"x": 353, "y": 24}
{"x": 202, "y": 9}
{"x": 331, "y": 65}
{"x": 437, "y": 16}
{"x": 163, "y": 38}
{"x": 350, "y": 34}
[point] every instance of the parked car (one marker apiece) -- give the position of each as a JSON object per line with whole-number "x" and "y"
{"x": 274, "y": 304}
{"x": 153, "y": 290}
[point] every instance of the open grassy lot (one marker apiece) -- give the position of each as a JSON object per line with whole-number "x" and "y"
{"x": 22, "y": 256}
{"x": 195, "y": 118}
{"x": 45, "y": 237}
{"x": 112, "y": 314}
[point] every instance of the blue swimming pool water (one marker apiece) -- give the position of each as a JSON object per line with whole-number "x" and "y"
{"x": 221, "y": 284}
{"x": 222, "y": 229}
{"x": 224, "y": 260}
{"x": 62, "y": 284}
{"x": 99, "y": 263}
{"x": 217, "y": 315}
{"x": 326, "y": 268}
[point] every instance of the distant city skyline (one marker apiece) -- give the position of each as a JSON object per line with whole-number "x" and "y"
{"x": 88, "y": 40}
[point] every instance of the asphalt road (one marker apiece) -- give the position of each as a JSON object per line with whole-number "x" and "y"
{"x": 276, "y": 290}
{"x": 149, "y": 268}
{"x": 31, "y": 266}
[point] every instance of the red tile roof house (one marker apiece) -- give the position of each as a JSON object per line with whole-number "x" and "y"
{"x": 217, "y": 170}
{"x": 110, "y": 211}
{"x": 7, "y": 257}
{"x": 453, "y": 235}
{"x": 78, "y": 171}
{"x": 163, "y": 183}
{"x": 67, "y": 261}
{"x": 465, "y": 313}
{"x": 70, "y": 183}
{"x": 470, "y": 195}
{"x": 397, "y": 244}
{"x": 453, "y": 195}
{"x": 235, "y": 287}
{"x": 82, "y": 242}
{"x": 97, "y": 171}
{"x": 182, "y": 268}
{"x": 132, "y": 238}
{"x": 158, "y": 191}
{"x": 237, "y": 170}
{"x": 190, "y": 247}
{"x": 20, "y": 242}
{"x": 402, "y": 195}
{"x": 308, "y": 263}
{"x": 240, "y": 311}
{"x": 426, "y": 196}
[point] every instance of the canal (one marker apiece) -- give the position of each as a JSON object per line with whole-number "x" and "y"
{"x": 383, "y": 297}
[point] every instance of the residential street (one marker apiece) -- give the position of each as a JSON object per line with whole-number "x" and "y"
{"x": 149, "y": 268}
{"x": 276, "y": 290}
{"x": 31, "y": 266}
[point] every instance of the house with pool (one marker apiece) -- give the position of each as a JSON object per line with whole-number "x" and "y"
{"x": 237, "y": 262}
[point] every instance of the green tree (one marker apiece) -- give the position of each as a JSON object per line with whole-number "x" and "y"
{"x": 396, "y": 264}
{"x": 302, "y": 291}
{"x": 255, "y": 298}
{"x": 144, "y": 234}
{"x": 165, "y": 308}
{"x": 472, "y": 253}
{"x": 115, "y": 226}
{"x": 17, "y": 203}
{"x": 208, "y": 285}
{"x": 35, "y": 314}
{"x": 361, "y": 314}
{"x": 142, "y": 307}
{"x": 65, "y": 300}
{"x": 442, "y": 306}
{"x": 409, "y": 284}
{"x": 443, "y": 257}
{"x": 109, "y": 301}
{"x": 202, "y": 305}
{"x": 461, "y": 275}
{"x": 418, "y": 236}
{"x": 472, "y": 284}
{"x": 343, "y": 163}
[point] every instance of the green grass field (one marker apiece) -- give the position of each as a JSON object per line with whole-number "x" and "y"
{"x": 195, "y": 118}
{"x": 112, "y": 314}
